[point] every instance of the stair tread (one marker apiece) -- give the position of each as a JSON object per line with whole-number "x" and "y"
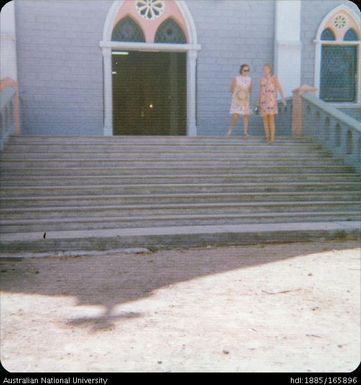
{"x": 173, "y": 216}
{"x": 177, "y": 205}
{"x": 39, "y": 171}
{"x": 242, "y": 228}
{"x": 177, "y": 195}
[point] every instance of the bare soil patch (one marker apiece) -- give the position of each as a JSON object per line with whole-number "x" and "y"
{"x": 279, "y": 308}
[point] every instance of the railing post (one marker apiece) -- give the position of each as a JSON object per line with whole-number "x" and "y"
{"x": 343, "y": 146}
{"x": 356, "y": 149}
{"x": 7, "y": 114}
{"x": 297, "y": 110}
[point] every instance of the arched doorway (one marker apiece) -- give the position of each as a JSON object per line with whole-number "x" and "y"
{"x": 149, "y": 54}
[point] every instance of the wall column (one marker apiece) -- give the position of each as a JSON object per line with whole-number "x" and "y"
{"x": 191, "y": 92}
{"x": 108, "y": 91}
{"x": 287, "y": 50}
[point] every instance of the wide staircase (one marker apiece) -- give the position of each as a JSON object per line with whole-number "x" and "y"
{"x": 95, "y": 193}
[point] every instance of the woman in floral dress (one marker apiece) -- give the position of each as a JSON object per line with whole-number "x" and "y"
{"x": 267, "y": 102}
{"x": 241, "y": 88}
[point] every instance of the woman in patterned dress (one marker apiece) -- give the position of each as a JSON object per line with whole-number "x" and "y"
{"x": 267, "y": 102}
{"x": 241, "y": 89}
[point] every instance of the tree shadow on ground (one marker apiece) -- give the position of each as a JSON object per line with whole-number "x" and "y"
{"x": 115, "y": 279}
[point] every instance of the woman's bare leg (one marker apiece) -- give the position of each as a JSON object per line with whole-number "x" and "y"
{"x": 245, "y": 124}
{"x": 266, "y": 128}
{"x": 272, "y": 128}
{"x": 234, "y": 121}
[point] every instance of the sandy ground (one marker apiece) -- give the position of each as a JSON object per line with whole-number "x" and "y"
{"x": 278, "y": 308}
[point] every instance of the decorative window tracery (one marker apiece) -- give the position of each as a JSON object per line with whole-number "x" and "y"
{"x": 327, "y": 34}
{"x": 340, "y": 21}
{"x": 128, "y": 30}
{"x": 150, "y": 9}
{"x": 351, "y": 35}
{"x": 170, "y": 32}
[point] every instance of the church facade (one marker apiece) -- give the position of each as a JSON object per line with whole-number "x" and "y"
{"x": 164, "y": 67}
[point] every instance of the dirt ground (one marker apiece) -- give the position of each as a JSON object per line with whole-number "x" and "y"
{"x": 276, "y": 308}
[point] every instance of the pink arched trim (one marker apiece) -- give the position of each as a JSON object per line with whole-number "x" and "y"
{"x": 351, "y": 23}
{"x": 150, "y": 27}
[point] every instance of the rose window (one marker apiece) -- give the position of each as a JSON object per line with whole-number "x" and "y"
{"x": 340, "y": 21}
{"x": 150, "y": 9}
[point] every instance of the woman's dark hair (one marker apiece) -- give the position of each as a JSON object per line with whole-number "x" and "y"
{"x": 242, "y": 67}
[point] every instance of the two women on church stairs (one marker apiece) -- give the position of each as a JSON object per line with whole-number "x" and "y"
{"x": 241, "y": 89}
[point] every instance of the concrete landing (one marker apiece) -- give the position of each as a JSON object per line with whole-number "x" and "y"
{"x": 178, "y": 236}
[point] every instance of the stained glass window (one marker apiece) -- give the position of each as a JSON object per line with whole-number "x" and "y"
{"x": 170, "y": 32}
{"x": 350, "y": 35}
{"x": 327, "y": 34}
{"x": 128, "y": 30}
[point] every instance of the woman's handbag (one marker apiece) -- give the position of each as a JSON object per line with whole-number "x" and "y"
{"x": 241, "y": 96}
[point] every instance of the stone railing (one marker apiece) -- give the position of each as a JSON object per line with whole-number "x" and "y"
{"x": 333, "y": 129}
{"x": 7, "y": 115}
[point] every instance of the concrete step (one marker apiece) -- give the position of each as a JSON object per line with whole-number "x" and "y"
{"x": 176, "y": 158}
{"x": 241, "y": 182}
{"x": 91, "y": 192}
{"x": 171, "y": 198}
{"x": 182, "y": 149}
{"x": 196, "y": 154}
{"x": 193, "y": 161}
{"x": 151, "y": 140}
{"x": 178, "y": 236}
{"x": 260, "y": 167}
{"x": 176, "y": 209}
{"x": 150, "y": 143}
{"x": 109, "y": 175}
{"x": 107, "y": 199}
{"x": 163, "y": 148}
{"x": 81, "y": 190}
{"x": 83, "y": 223}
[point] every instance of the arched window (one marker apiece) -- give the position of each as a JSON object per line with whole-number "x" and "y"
{"x": 170, "y": 32}
{"x": 327, "y": 34}
{"x": 128, "y": 30}
{"x": 337, "y": 57}
{"x": 350, "y": 35}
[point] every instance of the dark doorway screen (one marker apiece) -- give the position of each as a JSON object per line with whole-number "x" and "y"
{"x": 338, "y": 73}
{"x": 149, "y": 93}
